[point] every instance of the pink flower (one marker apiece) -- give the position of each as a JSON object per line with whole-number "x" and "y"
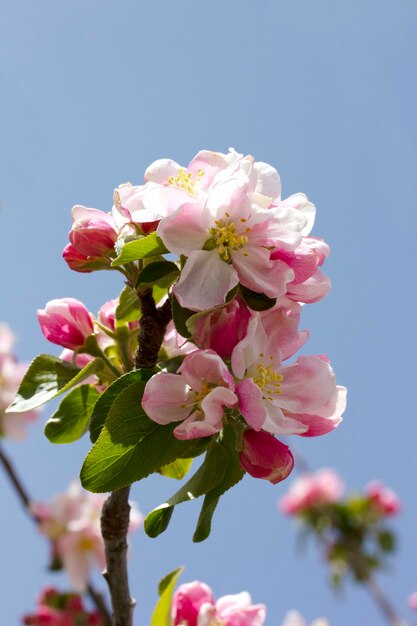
{"x": 222, "y": 328}
{"x": 75, "y": 260}
{"x": 309, "y": 284}
{"x": 196, "y": 395}
{"x": 188, "y": 600}
{"x": 175, "y": 344}
{"x": 310, "y": 490}
{"x": 93, "y": 232}
{"x": 12, "y": 425}
{"x": 72, "y": 521}
{"x": 263, "y": 456}
{"x": 301, "y": 398}
{"x": 384, "y": 499}
{"x": 107, "y": 315}
{"x": 194, "y": 605}
{"x": 208, "y": 168}
{"x": 66, "y": 322}
{"x": 138, "y": 209}
{"x": 227, "y": 238}
{"x": 7, "y": 340}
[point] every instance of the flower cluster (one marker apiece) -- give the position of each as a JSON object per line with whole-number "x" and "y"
{"x": 194, "y": 604}
{"x": 55, "y": 608}
{"x": 71, "y": 521}
{"x": 352, "y": 529}
{"x": 12, "y": 425}
{"x": 206, "y": 336}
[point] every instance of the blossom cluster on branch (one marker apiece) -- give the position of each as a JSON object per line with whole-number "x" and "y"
{"x": 352, "y": 530}
{"x": 193, "y": 357}
{"x": 216, "y": 378}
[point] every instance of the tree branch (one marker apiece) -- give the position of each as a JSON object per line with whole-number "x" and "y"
{"x": 153, "y": 324}
{"x": 116, "y": 509}
{"x": 384, "y": 604}
{"x": 26, "y": 501}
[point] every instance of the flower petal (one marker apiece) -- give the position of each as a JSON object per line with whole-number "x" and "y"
{"x": 205, "y": 281}
{"x": 167, "y": 398}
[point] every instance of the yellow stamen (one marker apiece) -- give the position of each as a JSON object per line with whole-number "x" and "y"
{"x": 267, "y": 377}
{"x": 226, "y": 238}
{"x": 185, "y": 181}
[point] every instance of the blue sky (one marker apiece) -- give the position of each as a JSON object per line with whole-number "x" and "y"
{"x": 91, "y": 93}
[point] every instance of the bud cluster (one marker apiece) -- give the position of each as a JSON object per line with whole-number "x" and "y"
{"x": 56, "y": 608}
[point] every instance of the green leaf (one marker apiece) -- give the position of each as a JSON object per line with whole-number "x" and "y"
{"x": 177, "y": 469}
{"x": 154, "y": 272}
{"x": 162, "y": 612}
{"x": 128, "y": 309}
{"x": 386, "y": 541}
{"x": 131, "y": 446}
{"x": 159, "y": 292}
{"x": 106, "y": 400}
{"x": 233, "y": 473}
{"x": 180, "y": 317}
{"x": 48, "y": 377}
{"x": 70, "y": 420}
{"x": 151, "y": 245}
{"x": 257, "y": 301}
{"x": 209, "y": 474}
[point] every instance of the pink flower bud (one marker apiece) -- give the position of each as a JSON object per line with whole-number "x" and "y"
{"x": 386, "y": 500}
{"x": 66, "y": 322}
{"x": 107, "y": 316}
{"x": 75, "y": 260}
{"x": 93, "y": 232}
{"x": 263, "y": 456}
{"x": 188, "y": 600}
{"x": 222, "y": 328}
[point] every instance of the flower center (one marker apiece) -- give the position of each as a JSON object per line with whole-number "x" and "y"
{"x": 268, "y": 380}
{"x": 185, "y": 181}
{"x": 226, "y": 238}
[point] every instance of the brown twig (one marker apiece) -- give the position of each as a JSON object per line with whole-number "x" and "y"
{"x": 26, "y": 501}
{"x": 116, "y": 509}
{"x": 384, "y": 604}
{"x": 153, "y": 324}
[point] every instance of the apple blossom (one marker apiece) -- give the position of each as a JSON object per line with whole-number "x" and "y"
{"x": 196, "y": 395}
{"x": 174, "y": 344}
{"x": 263, "y": 456}
{"x": 221, "y": 328}
{"x": 194, "y": 604}
{"x": 66, "y": 322}
{"x": 311, "y": 490}
{"x": 188, "y": 600}
{"x": 93, "y": 232}
{"x": 301, "y": 398}
{"x": 208, "y": 168}
{"x": 72, "y": 521}
{"x": 12, "y": 425}
{"x": 227, "y": 240}
{"x": 385, "y": 500}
